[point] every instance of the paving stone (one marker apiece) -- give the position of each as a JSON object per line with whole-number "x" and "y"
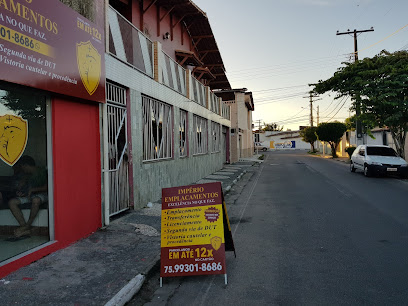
{"x": 217, "y": 177}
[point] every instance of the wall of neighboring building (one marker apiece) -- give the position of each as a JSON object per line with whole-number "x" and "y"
{"x": 244, "y": 125}
{"x": 235, "y": 152}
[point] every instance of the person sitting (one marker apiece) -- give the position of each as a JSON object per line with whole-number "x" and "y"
{"x": 35, "y": 193}
{"x": 14, "y": 183}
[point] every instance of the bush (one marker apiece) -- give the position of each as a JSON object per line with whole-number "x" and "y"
{"x": 350, "y": 150}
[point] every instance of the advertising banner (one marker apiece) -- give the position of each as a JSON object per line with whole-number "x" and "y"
{"x": 289, "y": 144}
{"x": 193, "y": 233}
{"x": 45, "y": 44}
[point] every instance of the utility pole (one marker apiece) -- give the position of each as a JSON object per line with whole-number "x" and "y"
{"x": 311, "y": 106}
{"x": 311, "y": 109}
{"x": 259, "y": 124}
{"x": 317, "y": 119}
{"x": 359, "y": 131}
{"x": 259, "y": 131}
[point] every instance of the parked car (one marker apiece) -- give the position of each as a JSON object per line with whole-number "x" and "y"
{"x": 260, "y": 147}
{"x": 378, "y": 160}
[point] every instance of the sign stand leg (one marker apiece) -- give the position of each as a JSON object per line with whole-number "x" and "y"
{"x": 161, "y": 282}
{"x": 226, "y": 279}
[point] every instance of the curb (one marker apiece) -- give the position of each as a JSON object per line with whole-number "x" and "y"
{"x": 127, "y": 292}
{"x": 228, "y": 188}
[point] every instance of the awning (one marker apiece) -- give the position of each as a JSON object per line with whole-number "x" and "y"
{"x": 187, "y": 58}
{"x": 203, "y": 73}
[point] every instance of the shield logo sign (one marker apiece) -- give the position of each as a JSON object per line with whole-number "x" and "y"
{"x": 13, "y": 138}
{"x": 89, "y": 66}
{"x": 216, "y": 242}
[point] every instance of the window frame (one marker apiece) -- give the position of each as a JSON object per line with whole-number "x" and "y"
{"x": 215, "y": 137}
{"x": 183, "y": 117}
{"x": 200, "y": 145}
{"x": 155, "y": 153}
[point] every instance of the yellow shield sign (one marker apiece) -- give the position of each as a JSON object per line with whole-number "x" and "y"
{"x": 216, "y": 242}
{"x": 13, "y": 138}
{"x": 89, "y": 66}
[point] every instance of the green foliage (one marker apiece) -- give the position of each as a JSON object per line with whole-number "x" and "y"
{"x": 350, "y": 150}
{"x": 350, "y": 123}
{"x": 309, "y": 135}
{"x": 331, "y": 132}
{"x": 272, "y": 127}
{"x": 380, "y": 86}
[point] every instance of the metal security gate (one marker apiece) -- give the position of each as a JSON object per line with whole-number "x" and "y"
{"x": 117, "y": 149}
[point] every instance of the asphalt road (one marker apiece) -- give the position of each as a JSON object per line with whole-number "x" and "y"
{"x": 307, "y": 231}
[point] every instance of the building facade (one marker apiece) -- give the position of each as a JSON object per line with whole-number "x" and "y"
{"x": 242, "y": 106}
{"x": 112, "y": 100}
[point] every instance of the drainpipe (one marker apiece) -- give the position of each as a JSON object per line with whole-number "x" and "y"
{"x": 105, "y": 164}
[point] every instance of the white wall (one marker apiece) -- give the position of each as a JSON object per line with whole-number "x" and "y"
{"x": 150, "y": 177}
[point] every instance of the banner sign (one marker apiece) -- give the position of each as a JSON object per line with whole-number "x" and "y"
{"x": 193, "y": 235}
{"x": 290, "y": 144}
{"x": 45, "y": 44}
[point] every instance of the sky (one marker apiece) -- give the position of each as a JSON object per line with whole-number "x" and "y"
{"x": 276, "y": 48}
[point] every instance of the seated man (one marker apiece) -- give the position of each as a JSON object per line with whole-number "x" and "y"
{"x": 36, "y": 194}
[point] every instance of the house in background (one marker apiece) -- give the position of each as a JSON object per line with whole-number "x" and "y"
{"x": 278, "y": 140}
{"x": 242, "y": 106}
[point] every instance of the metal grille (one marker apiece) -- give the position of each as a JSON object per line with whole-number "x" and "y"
{"x": 225, "y": 110}
{"x": 128, "y": 44}
{"x": 198, "y": 91}
{"x": 215, "y": 133}
{"x": 183, "y": 133}
{"x": 174, "y": 75}
{"x": 200, "y": 135}
{"x": 157, "y": 130}
{"x": 118, "y": 149}
{"x": 214, "y": 102}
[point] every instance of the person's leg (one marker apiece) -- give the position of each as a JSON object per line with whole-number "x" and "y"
{"x": 35, "y": 207}
{"x": 16, "y": 211}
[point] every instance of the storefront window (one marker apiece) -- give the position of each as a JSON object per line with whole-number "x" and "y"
{"x": 24, "y": 213}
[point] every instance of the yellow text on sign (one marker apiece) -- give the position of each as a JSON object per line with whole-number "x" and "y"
{"x": 189, "y": 226}
{"x": 26, "y": 42}
{"x": 192, "y": 253}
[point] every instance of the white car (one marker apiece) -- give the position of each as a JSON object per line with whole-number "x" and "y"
{"x": 378, "y": 160}
{"x": 260, "y": 147}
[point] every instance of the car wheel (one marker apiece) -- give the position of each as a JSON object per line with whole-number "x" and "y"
{"x": 367, "y": 171}
{"x": 264, "y": 149}
{"x": 352, "y": 168}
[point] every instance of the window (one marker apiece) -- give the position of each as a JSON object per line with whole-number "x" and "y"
{"x": 183, "y": 133}
{"x": 381, "y": 151}
{"x": 215, "y": 134}
{"x": 23, "y": 170}
{"x": 200, "y": 135}
{"x": 157, "y": 130}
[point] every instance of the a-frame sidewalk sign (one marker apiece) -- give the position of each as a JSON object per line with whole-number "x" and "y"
{"x": 195, "y": 231}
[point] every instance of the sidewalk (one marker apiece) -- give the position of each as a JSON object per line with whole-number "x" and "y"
{"x": 106, "y": 268}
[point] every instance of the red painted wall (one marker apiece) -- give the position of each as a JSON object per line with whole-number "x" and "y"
{"x": 77, "y": 169}
{"x": 77, "y": 176}
{"x": 150, "y": 29}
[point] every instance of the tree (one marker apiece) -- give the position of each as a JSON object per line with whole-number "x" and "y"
{"x": 308, "y": 134}
{"x": 331, "y": 132}
{"x": 272, "y": 127}
{"x": 350, "y": 123}
{"x": 380, "y": 86}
